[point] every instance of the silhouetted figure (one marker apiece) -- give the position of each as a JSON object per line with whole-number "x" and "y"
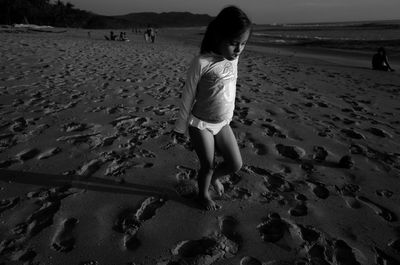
{"x": 112, "y": 36}
{"x": 380, "y": 61}
{"x": 150, "y": 35}
{"x": 147, "y": 35}
{"x": 122, "y": 36}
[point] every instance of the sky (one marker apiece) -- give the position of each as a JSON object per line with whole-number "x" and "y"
{"x": 260, "y": 11}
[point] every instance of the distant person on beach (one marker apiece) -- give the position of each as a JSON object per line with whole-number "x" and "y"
{"x": 122, "y": 36}
{"x": 146, "y": 35}
{"x": 150, "y": 35}
{"x": 208, "y": 101}
{"x": 112, "y": 36}
{"x": 380, "y": 61}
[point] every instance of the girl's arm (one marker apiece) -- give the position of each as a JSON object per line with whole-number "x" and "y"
{"x": 188, "y": 96}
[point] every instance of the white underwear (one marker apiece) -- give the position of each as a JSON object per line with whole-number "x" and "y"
{"x": 214, "y": 128}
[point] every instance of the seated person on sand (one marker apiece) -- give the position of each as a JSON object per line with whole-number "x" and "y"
{"x": 380, "y": 61}
{"x": 122, "y": 36}
{"x": 112, "y": 36}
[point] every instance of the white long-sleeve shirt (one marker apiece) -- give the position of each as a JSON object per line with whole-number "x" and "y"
{"x": 210, "y": 90}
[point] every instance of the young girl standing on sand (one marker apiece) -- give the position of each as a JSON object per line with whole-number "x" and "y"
{"x": 208, "y": 100}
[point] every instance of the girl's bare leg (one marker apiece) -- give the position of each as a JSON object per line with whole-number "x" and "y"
{"x": 203, "y": 143}
{"x": 227, "y": 145}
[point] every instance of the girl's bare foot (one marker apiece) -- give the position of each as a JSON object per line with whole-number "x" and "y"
{"x": 208, "y": 204}
{"x": 219, "y": 188}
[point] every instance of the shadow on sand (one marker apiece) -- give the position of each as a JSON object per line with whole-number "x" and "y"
{"x": 93, "y": 184}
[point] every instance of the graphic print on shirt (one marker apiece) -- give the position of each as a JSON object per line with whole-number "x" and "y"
{"x": 227, "y": 82}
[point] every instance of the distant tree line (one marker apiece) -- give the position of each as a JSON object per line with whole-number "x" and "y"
{"x": 59, "y": 14}
{"x": 42, "y": 12}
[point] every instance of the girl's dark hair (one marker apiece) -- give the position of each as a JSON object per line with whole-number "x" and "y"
{"x": 231, "y": 22}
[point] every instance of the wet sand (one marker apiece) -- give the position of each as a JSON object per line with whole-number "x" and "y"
{"x": 88, "y": 174}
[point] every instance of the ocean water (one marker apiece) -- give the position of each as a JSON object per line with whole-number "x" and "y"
{"x": 347, "y": 35}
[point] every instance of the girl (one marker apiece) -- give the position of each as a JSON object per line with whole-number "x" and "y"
{"x": 208, "y": 100}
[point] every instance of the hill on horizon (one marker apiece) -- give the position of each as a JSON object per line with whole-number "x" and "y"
{"x": 60, "y": 14}
{"x": 167, "y": 19}
{"x": 144, "y": 19}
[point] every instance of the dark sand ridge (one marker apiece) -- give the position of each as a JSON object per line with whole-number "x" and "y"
{"x": 87, "y": 159}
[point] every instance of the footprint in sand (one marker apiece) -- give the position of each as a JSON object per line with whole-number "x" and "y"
{"x": 259, "y": 148}
{"x": 348, "y": 189}
{"x": 74, "y": 127}
{"x": 76, "y": 138}
{"x": 277, "y": 182}
{"x": 229, "y": 181}
{"x": 379, "y": 132}
{"x": 24, "y": 255}
{"x": 19, "y": 125}
{"x": 300, "y": 209}
{"x": 255, "y": 170}
{"x": 27, "y": 154}
{"x": 49, "y": 153}
{"x": 384, "y": 193}
{"x": 6, "y": 204}
{"x": 129, "y": 221}
{"x": 42, "y": 218}
{"x": 346, "y": 162}
{"x": 128, "y": 225}
{"x": 90, "y": 168}
{"x": 319, "y": 249}
{"x": 204, "y": 251}
{"x": 250, "y": 261}
{"x": 316, "y": 255}
{"x": 309, "y": 234}
{"x": 273, "y": 130}
{"x": 348, "y": 193}
{"x": 320, "y": 153}
{"x": 187, "y": 183}
{"x": 353, "y": 134}
{"x": 292, "y": 152}
{"x": 343, "y": 254}
{"x": 319, "y": 190}
{"x": 395, "y": 244}
{"x": 149, "y": 208}
{"x": 379, "y": 210}
{"x": 270, "y": 196}
{"x": 381, "y": 258}
{"x": 308, "y": 167}
{"x": 240, "y": 193}
{"x": 49, "y": 202}
{"x": 273, "y": 229}
{"x": 325, "y": 132}
{"x": 227, "y": 225}
{"x": 357, "y": 149}
{"x": 63, "y": 240}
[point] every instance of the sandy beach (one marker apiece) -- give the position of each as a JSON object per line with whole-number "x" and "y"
{"x": 89, "y": 175}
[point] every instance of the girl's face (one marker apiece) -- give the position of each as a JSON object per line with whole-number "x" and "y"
{"x": 231, "y": 49}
